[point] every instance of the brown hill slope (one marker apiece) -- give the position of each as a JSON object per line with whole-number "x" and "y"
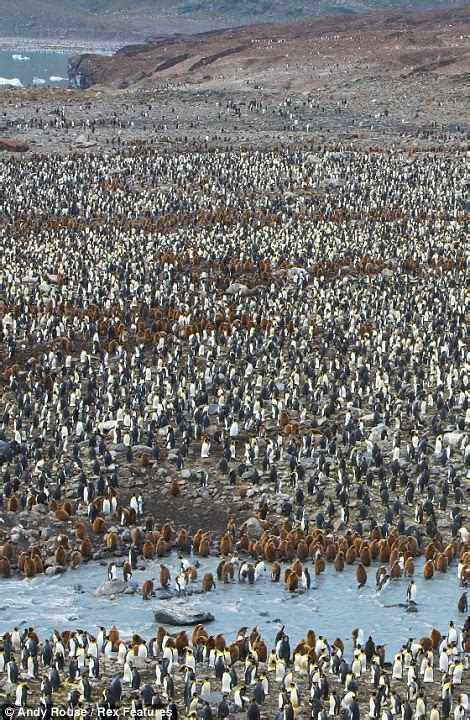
{"x": 300, "y": 55}
{"x": 138, "y": 18}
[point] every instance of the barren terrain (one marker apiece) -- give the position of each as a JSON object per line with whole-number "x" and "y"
{"x": 121, "y": 19}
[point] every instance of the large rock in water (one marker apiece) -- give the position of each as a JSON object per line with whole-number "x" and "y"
{"x": 114, "y": 587}
{"x": 173, "y": 614}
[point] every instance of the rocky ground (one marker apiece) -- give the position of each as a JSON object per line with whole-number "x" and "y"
{"x": 309, "y": 84}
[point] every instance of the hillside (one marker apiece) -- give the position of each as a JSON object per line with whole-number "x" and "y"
{"x": 139, "y": 18}
{"x": 329, "y": 51}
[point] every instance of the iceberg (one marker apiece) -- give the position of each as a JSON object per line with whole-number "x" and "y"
{"x": 14, "y": 82}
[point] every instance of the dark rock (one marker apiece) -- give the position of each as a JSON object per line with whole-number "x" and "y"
{"x": 14, "y": 145}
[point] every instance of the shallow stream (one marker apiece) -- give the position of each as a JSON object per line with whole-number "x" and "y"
{"x": 333, "y": 606}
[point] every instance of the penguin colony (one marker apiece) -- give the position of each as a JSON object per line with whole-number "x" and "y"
{"x": 179, "y": 676}
{"x": 284, "y": 328}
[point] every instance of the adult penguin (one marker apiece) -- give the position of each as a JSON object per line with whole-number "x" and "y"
{"x": 73, "y": 669}
{"x": 147, "y": 694}
{"x": 54, "y": 678}
{"x": 21, "y": 698}
{"x": 253, "y": 712}
{"x": 306, "y": 579}
{"x": 46, "y": 687}
{"x": 112, "y": 571}
{"x": 354, "y": 709}
{"x": 46, "y": 653}
{"x": 85, "y": 688}
{"x": 114, "y": 693}
{"x": 206, "y": 713}
{"x": 407, "y": 711}
{"x": 132, "y": 557}
{"x": 136, "y": 679}
{"x": 258, "y": 693}
{"x": 223, "y": 709}
{"x": 284, "y": 649}
{"x": 73, "y": 698}
{"x": 12, "y": 672}
{"x": 172, "y": 710}
{"x": 169, "y": 685}
{"x": 288, "y": 711}
{"x": 446, "y": 705}
{"x": 219, "y": 667}
{"x": 411, "y": 593}
{"x": 315, "y": 708}
{"x": 369, "y": 648}
{"x": 93, "y": 667}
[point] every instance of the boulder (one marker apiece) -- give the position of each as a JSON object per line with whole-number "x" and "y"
{"x": 54, "y": 570}
{"x": 453, "y": 439}
{"x": 253, "y": 528}
{"x": 39, "y": 508}
{"x": 13, "y": 145}
{"x": 139, "y": 449}
{"x": 213, "y": 698}
{"x": 376, "y": 432}
{"x": 175, "y": 614}
{"x": 296, "y": 272}
{"x": 236, "y": 287}
{"x": 113, "y": 587}
{"x": 312, "y": 159}
{"x": 50, "y": 562}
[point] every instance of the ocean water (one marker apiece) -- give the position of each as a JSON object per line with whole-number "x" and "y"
{"x": 333, "y": 606}
{"x": 27, "y": 67}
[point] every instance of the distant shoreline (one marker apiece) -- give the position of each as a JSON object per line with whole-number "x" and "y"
{"x": 66, "y": 46}
{"x": 104, "y": 44}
